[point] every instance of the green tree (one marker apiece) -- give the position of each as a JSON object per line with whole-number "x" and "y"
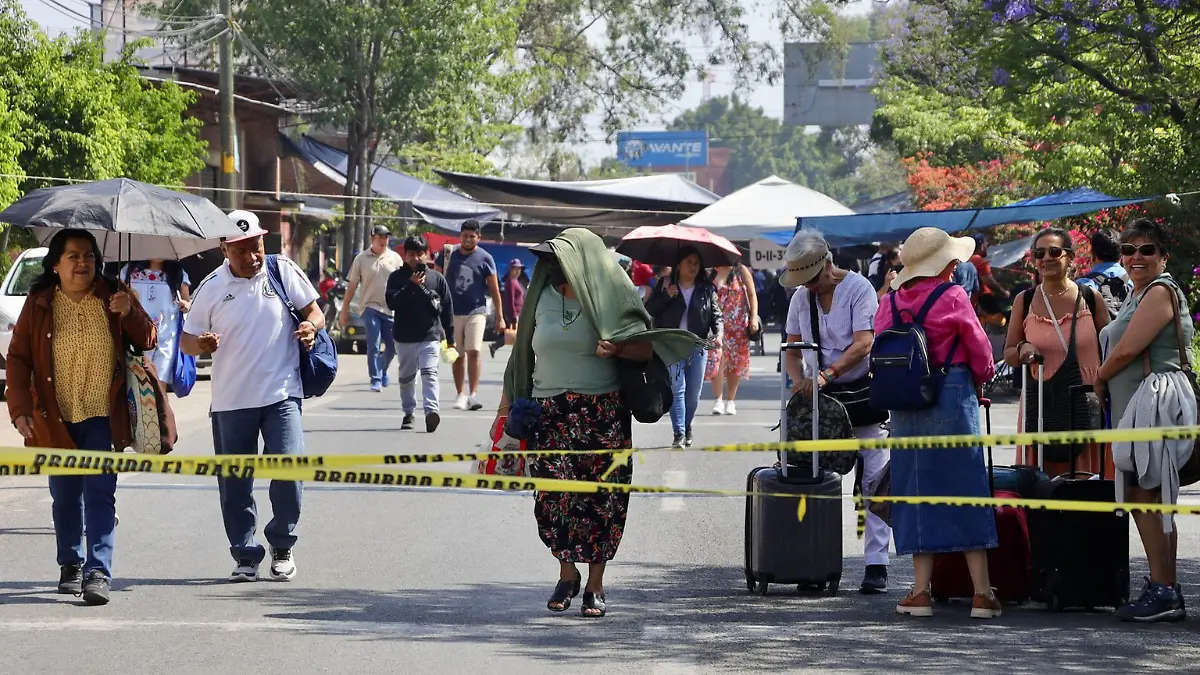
{"x": 78, "y": 117}
{"x": 840, "y": 163}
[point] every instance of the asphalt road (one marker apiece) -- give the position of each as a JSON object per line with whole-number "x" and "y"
{"x": 425, "y": 581}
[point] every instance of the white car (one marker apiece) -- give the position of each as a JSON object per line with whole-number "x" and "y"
{"x": 12, "y": 299}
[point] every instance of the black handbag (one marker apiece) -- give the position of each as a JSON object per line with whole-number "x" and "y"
{"x": 645, "y": 388}
{"x": 855, "y": 396}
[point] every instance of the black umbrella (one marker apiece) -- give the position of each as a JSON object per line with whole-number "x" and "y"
{"x": 131, "y": 220}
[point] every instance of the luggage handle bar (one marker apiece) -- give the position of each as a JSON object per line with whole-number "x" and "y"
{"x": 986, "y": 403}
{"x": 783, "y": 401}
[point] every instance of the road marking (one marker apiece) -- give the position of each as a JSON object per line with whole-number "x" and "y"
{"x": 675, "y": 479}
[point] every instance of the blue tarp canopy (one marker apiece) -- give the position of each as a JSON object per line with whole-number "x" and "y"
{"x": 438, "y": 206}
{"x": 865, "y": 228}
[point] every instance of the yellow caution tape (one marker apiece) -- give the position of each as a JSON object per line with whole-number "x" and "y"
{"x": 56, "y": 463}
{"x": 31, "y": 460}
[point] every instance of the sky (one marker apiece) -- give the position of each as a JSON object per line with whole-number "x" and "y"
{"x": 54, "y": 17}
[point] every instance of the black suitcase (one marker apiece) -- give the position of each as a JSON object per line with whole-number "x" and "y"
{"x": 1078, "y": 559}
{"x": 781, "y": 548}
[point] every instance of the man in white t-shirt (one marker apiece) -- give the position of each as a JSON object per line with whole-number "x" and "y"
{"x": 239, "y": 318}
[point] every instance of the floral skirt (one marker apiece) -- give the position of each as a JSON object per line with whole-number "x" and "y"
{"x": 734, "y": 352}
{"x": 579, "y": 527}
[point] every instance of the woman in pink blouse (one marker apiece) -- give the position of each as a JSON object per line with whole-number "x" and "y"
{"x": 956, "y": 341}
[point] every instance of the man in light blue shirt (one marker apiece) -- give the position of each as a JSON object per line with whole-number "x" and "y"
{"x": 1106, "y": 250}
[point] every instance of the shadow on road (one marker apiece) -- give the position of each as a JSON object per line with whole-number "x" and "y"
{"x": 703, "y": 615}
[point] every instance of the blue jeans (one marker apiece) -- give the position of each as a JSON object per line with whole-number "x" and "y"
{"x": 236, "y": 432}
{"x": 86, "y": 499}
{"x": 687, "y": 380}
{"x": 380, "y": 348}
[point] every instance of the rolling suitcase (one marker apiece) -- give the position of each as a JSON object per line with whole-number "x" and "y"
{"x": 1008, "y": 563}
{"x": 1079, "y": 559}
{"x": 781, "y": 548}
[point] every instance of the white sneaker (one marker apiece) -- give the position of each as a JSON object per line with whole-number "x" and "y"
{"x": 246, "y": 570}
{"x": 473, "y": 402}
{"x": 719, "y": 407}
{"x": 460, "y": 403}
{"x": 283, "y": 567}
{"x": 730, "y": 408}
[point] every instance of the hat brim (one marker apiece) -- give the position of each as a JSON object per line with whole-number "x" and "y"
{"x": 959, "y": 249}
{"x": 244, "y": 237}
{"x": 542, "y": 250}
{"x": 797, "y": 278}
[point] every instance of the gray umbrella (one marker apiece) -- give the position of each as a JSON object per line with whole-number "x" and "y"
{"x": 131, "y": 220}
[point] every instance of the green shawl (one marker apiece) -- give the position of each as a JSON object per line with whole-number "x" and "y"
{"x": 609, "y": 300}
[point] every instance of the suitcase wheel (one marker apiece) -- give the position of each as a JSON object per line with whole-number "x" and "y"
{"x": 750, "y": 582}
{"x": 834, "y": 584}
{"x": 761, "y": 589}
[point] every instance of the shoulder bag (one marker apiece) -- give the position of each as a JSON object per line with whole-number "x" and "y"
{"x": 319, "y": 365}
{"x": 855, "y": 396}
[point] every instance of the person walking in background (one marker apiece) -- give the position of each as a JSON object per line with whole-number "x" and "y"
{"x": 162, "y": 288}
{"x": 956, "y": 341}
{"x": 582, "y": 315}
{"x": 1107, "y": 277}
{"x": 471, "y": 272}
{"x": 420, "y": 296}
{"x": 1142, "y": 343}
{"x": 687, "y": 300}
{"x": 66, "y": 389}
{"x": 1058, "y": 323}
{"x": 239, "y": 318}
{"x": 512, "y": 296}
{"x": 835, "y": 308}
{"x": 730, "y": 364}
{"x": 370, "y": 271}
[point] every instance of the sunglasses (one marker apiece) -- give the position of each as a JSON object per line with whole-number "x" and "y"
{"x": 1055, "y": 252}
{"x": 1146, "y": 250}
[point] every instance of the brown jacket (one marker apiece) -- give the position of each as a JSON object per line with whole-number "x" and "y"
{"x": 31, "y": 369}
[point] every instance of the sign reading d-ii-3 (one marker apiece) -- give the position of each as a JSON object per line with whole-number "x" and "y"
{"x": 643, "y": 149}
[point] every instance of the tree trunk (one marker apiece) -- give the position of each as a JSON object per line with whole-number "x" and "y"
{"x": 364, "y": 189}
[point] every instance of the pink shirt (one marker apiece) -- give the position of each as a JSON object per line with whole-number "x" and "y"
{"x": 951, "y": 316}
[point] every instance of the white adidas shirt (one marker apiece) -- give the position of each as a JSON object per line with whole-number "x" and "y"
{"x": 258, "y": 361}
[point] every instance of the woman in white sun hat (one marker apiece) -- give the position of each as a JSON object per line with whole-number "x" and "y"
{"x": 924, "y": 293}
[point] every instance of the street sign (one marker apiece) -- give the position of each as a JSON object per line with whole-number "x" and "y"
{"x": 765, "y": 255}
{"x": 657, "y": 149}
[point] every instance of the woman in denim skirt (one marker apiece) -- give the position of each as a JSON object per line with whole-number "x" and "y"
{"x": 957, "y": 340}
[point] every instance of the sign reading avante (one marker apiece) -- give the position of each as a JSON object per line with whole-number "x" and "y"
{"x": 645, "y": 149}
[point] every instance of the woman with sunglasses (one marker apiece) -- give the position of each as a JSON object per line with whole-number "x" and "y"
{"x": 1143, "y": 337}
{"x": 1055, "y": 330}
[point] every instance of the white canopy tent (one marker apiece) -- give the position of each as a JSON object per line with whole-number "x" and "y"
{"x": 770, "y": 205}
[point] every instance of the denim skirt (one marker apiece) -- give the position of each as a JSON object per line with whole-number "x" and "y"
{"x": 941, "y": 472}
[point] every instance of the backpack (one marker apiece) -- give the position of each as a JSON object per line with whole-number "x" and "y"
{"x": 833, "y": 422}
{"x": 1113, "y": 289}
{"x": 903, "y": 376}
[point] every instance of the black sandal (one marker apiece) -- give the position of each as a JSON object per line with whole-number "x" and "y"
{"x": 563, "y": 592}
{"x": 595, "y": 602}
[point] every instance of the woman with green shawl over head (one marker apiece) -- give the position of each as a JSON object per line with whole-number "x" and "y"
{"x": 581, "y": 314}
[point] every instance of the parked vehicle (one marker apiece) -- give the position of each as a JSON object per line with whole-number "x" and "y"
{"x": 16, "y": 287}
{"x": 353, "y": 336}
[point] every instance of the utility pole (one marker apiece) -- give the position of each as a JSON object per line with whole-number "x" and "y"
{"x": 228, "y": 183}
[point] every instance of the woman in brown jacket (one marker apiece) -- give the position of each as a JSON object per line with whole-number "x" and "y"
{"x": 66, "y": 389}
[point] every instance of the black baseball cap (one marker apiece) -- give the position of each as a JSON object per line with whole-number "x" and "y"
{"x": 380, "y": 231}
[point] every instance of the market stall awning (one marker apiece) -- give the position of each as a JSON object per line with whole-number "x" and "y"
{"x": 609, "y": 207}
{"x": 875, "y": 227}
{"x": 767, "y": 205}
{"x": 442, "y": 208}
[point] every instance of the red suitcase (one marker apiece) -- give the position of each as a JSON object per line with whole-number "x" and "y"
{"x": 1008, "y": 564}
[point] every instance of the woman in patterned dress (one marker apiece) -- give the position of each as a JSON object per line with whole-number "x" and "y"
{"x": 730, "y": 364}
{"x": 582, "y": 315}
{"x": 162, "y": 288}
